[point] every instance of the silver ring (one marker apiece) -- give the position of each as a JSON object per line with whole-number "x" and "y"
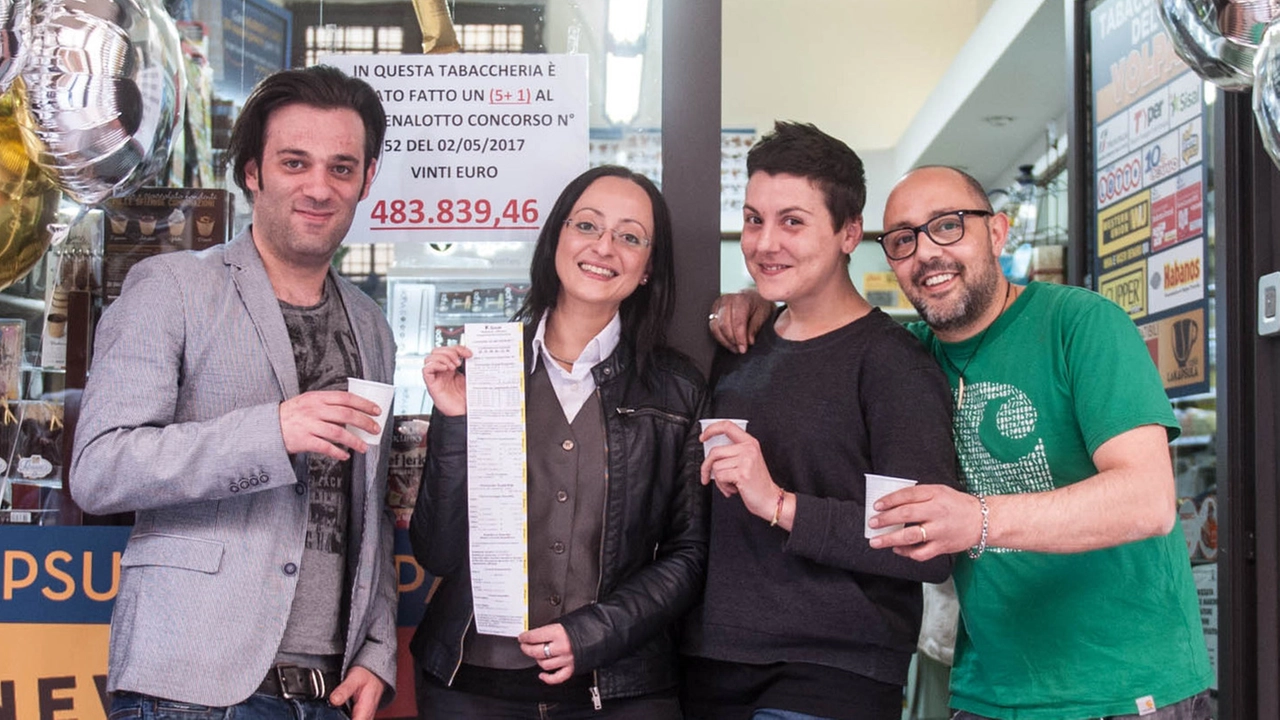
{"x": 924, "y": 536}
{"x": 713, "y": 317}
{"x": 546, "y": 650}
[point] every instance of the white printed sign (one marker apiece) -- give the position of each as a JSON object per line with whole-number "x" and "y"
{"x": 1207, "y": 590}
{"x": 1176, "y": 277}
{"x": 1185, "y": 95}
{"x": 1112, "y": 138}
{"x": 478, "y": 147}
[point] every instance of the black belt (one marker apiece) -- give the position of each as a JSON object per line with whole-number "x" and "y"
{"x": 292, "y": 682}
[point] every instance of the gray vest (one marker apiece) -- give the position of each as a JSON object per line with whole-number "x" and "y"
{"x": 567, "y": 479}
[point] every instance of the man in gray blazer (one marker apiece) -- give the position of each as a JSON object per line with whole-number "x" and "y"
{"x": 259, "y": 573}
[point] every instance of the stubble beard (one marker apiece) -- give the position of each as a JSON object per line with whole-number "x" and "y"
{"x": 300, "y": 248}
{"x": 975, "y": 297}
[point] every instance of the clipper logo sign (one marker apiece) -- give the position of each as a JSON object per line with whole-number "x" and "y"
{"x": 1125, "y": 288}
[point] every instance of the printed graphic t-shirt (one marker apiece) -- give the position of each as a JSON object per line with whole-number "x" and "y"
{"x": 325, "y": 354}
{"x": 1053, "y": 636}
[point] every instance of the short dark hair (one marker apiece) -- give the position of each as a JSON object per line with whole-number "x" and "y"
{"x": 979, "y": 192}
{"x": 803, "y": 150}
{"x": 319, "y": 86}
{"x": 648, "y": 310}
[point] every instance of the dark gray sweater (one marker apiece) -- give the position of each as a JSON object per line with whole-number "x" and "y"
{"x": 863, "y": 398}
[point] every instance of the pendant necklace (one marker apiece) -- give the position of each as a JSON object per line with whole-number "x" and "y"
{"x": 557, "y": 358}
{"x": 959, "y": 371}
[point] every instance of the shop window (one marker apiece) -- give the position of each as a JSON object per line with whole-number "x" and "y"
{"x": 357, "y": 262}
{"x": 337, "y": 27}
{"x": 349, "y": 40}
{"x": 484, "y": 37}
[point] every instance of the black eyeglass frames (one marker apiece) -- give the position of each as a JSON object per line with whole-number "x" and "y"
{"x": 944, "y": 229}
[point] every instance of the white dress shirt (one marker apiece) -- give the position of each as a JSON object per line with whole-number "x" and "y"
{"x": 573, "y": 387}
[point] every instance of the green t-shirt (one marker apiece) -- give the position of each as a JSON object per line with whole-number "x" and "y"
{"x": 1057, "y": 636}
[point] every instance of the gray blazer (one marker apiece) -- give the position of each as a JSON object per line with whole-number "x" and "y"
{"x": 180, "y": 423}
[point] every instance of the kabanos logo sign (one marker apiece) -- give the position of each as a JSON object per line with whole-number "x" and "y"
{"x": 1119, "y": 180}
{"x": 1176, "y": 274}
{"x": 1175, "y": 277}
{"x": 1180, "y": 274}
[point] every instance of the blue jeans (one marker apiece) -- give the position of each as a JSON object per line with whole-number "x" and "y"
{"x": 1195, "y": 707}
{"x": 131, "y": 706}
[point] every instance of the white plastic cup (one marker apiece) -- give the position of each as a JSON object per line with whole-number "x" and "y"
{"x": 378, "y": 393}
{"x": 877, "y": 487}
{"x": 718, "y": 440}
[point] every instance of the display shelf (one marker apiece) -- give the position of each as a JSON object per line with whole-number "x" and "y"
{"x": 28, "y": 368}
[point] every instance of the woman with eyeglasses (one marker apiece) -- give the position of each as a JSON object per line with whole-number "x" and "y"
{"x": 617, "y": 517}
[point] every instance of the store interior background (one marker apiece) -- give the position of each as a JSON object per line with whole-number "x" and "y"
{"x": 978, "y": 84}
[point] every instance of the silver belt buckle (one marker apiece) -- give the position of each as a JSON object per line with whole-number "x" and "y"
{"x": 317, "y": 684}
{"x": 317, "y": 690}
{"x": 284, "y": 684}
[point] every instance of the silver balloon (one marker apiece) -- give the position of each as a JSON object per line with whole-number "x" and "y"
{"x": 15, "y": 24}
{"x": 1266, "y": 91}
{"x": 1244, "y": 21}
{"x": 104, "y": 86}
{"x": 1218, "y": 38}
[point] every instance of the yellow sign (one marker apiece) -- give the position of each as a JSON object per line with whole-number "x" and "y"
{"x": 1127, "y": 288}
{"x": 1126, "y": 223}
{"x": 881, "y": 289}
{"x": 54, "y": 671}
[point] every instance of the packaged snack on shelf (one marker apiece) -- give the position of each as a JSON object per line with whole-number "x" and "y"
{"x": 454, "y": 301}
{"x": 404, "y": 467}
{"x": 487, "y": 300}
{"x": 12, "y": 337}
{"x": 513, "y": 297}
{"x": 37, "y": 456}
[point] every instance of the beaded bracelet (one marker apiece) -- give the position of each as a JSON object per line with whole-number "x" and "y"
{"x": 777, "y": 510}
{"x": 976, "y": 551}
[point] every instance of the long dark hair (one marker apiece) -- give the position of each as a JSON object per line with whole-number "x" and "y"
{"x": 647, "y": 311}
{"x": 318, "y": 86}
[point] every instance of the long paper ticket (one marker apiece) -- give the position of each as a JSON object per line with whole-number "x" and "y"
{"x": 496, "y": 477}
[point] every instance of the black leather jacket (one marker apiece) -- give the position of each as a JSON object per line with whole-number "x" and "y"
{"x": 654, "y": 555}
